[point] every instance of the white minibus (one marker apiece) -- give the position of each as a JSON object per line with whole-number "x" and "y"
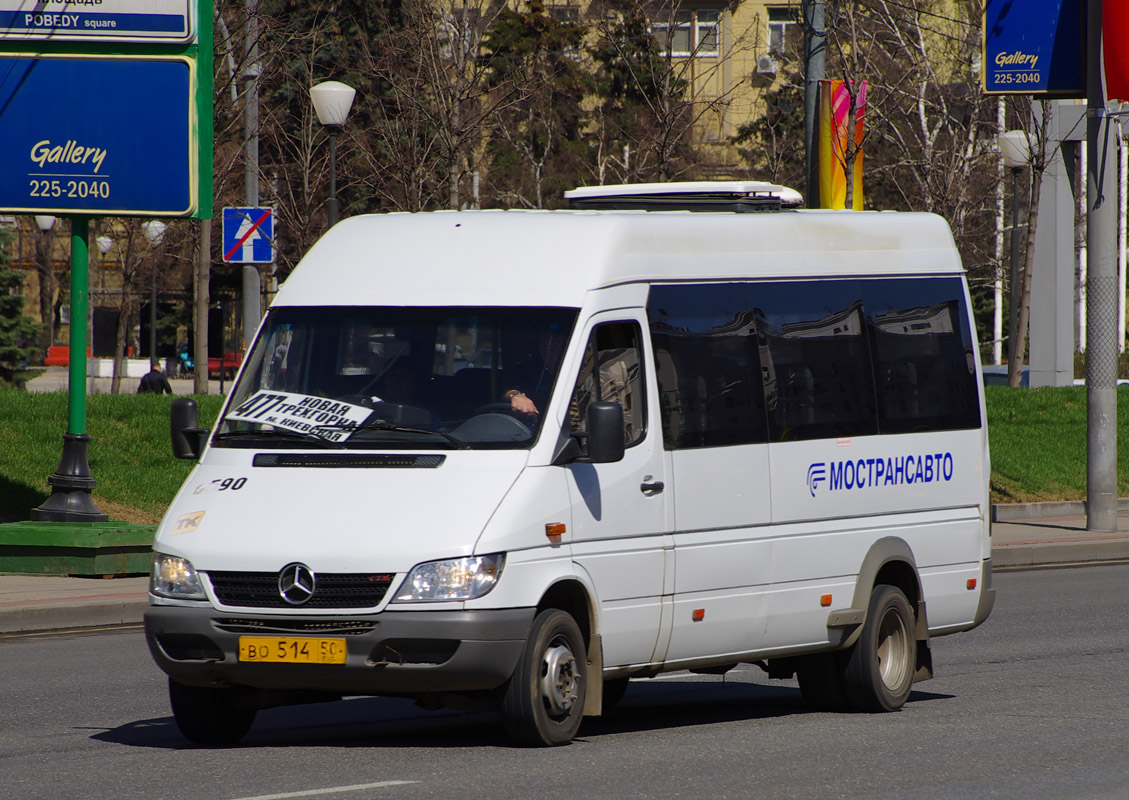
{"x": 513, "y": 459}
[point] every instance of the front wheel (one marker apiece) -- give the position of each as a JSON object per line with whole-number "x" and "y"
{"x": 879, "y": 670}
{"x": 544, "y": 701}
{"x": 209, "y": 716}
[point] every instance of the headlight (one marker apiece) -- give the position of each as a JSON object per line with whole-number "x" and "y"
{"x": 173, "y": 576}
{"x": 452, "y": 579}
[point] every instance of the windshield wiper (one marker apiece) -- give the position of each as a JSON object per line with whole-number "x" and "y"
{"x": 389, "y": 426}
{"x": 281, "y": 433}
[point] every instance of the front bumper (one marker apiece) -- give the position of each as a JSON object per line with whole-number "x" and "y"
{"x": 393, "y": 652}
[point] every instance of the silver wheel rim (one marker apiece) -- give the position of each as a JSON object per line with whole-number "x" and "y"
{"x": 560, "y": 679}
{"x": 893, "y": 649}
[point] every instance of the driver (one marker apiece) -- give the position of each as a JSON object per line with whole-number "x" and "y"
{"x": 535, "y": 375}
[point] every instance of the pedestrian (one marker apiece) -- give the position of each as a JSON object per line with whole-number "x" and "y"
{"x": 155, "y": 381}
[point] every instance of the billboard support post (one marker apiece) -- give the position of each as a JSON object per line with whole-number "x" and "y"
{"x": 72, "y": 483}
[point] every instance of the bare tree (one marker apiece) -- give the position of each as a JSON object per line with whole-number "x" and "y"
{"x": 1036, "y": 121}
{"x": 436, "y": 70}
{"x": 651, "y": 71}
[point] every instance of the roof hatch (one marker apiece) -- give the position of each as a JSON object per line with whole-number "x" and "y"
{"x": 739, "y": 196}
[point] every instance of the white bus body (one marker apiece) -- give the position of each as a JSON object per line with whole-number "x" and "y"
{"x": 796, "y": 473}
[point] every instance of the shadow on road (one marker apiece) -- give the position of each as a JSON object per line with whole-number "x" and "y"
{"x": 399, "y": 723}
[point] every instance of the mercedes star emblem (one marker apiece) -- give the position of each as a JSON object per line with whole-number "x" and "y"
{"x": 296, "y": 584}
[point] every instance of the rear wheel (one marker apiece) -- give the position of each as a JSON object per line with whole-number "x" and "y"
{"x": 544, "y": 701}
{"x": 879, "y": 669}
{"x": 209, "y": 716}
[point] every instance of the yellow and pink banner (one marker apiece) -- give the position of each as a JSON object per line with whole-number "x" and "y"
{"x": 835, "y": 143}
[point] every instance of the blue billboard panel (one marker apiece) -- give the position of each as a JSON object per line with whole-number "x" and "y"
{"x": 101, "y": 136}
{"x": 1035, "y": 47}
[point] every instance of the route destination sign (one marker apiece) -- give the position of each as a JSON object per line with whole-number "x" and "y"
{"x": 98, "y": 20}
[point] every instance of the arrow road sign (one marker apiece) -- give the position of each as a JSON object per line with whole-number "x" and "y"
{"x": 248, "y": 235}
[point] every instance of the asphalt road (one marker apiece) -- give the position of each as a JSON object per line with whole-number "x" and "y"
{"x": 1033, "y": 704}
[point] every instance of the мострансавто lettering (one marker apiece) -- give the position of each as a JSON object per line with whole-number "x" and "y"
{"x": 862, "y": 473}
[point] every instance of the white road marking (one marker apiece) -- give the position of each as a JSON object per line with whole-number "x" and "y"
{"x": 332, "y": 790}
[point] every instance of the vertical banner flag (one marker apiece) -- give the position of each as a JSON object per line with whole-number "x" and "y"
{"x": 835, "y": 143}
{"x": 1115, "y": 49}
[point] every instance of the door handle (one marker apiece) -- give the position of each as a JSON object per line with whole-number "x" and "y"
{"x": 651, "y": 487}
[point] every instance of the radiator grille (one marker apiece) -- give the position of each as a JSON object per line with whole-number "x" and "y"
{"x": 334, "y": 590}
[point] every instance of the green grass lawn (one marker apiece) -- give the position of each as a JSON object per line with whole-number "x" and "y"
{"x": 130, "y": 455}
{"x": 1038, "y": 447}
{"x": 1038, "y": 443}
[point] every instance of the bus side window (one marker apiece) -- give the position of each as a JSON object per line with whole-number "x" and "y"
{"x": 613, "y": 354}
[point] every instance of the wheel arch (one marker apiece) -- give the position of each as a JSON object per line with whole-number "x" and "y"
{"x": 889, "y": 561}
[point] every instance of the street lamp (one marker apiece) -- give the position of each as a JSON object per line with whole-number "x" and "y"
{"x": 154, "y": 231}
{"x": 46, "y": 279}
{"x": 332, "y": 101}
{"x": 1015, "y": 152}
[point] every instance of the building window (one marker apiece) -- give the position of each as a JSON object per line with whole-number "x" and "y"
{"x": 781, "y": 23}
{"x": 691, "y": 33}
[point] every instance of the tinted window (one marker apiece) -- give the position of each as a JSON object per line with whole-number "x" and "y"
{"x": 817, "y": 355}
{"x": 741, "y": 363}
{"x": 612, "y": 352}
{"x": 924, "y": 368}
{"x": 711, "y": 384}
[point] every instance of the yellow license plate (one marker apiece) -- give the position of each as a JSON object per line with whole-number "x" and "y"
{"x": 292, "y": 650}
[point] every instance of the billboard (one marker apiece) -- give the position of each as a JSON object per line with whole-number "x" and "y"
{"x": 106, "y": 136}
{"x": 1035, "y": 47}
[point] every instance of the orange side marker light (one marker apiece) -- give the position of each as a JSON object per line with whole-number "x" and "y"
{"x": 699, "y": 614}
{"x": 825, "y": 600}
{"x": 971, "y": 583}
{"x": 554, "y": 530}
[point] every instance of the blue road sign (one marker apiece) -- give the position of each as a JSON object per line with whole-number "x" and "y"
{"x": 1035, "y": 47}
{"x": 248, "y": 235}
{"x": 106, "y": 136}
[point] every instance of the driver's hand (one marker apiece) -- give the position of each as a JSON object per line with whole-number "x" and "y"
{"x": 523, "y": 404}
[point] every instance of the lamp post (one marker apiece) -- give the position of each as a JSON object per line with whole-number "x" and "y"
{"x": 46, "y": 279}
{"x": 1015, "y": 152}
{"x": 154, "y": 231}
{"x": 332, "y": 101}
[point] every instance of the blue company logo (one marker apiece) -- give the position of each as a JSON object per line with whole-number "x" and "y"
{"x": 864, "y": 473}
{"x": 817, "y": 473}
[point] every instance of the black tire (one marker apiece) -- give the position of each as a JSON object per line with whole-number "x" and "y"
{"x": 613, "y": 692}
{"x": 821, "y": 681}
{"x": 878, "y": 671}
{"x": 209, "y": 716}
{"x": 544, "y": 701}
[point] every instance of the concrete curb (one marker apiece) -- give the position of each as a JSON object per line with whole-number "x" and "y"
{"x": 1047, "y": 554}
{"x": 72, "y": 614}
{"x": 1014, "y": 512}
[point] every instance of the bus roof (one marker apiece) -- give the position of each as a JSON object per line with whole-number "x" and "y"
{"x": 554, "y": 258}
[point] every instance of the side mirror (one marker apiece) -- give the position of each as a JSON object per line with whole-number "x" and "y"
{"x": 605, "y": 432}
{"x": 184, "y": 427}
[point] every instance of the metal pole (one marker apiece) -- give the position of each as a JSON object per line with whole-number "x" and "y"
{"x": 1101, "y": 293}
{"x": 1013, "y": 280}
{"x": 153, "y": 313}
{"x": 815, "y": 70}
{"x": 252, "y": 286}
{"x": 72, "y": 483}
{"x": 332, "y": 175}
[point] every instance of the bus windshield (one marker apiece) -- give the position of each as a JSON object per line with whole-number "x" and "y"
{"x": 391, "y": 377}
